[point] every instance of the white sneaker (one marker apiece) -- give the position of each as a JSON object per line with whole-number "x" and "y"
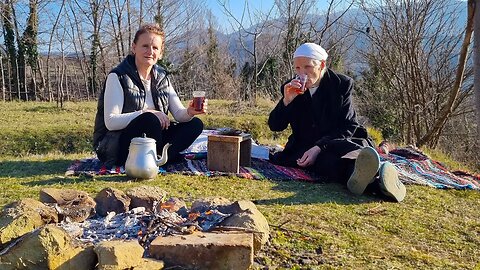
{"x": 390, "y": 185}
{"x": 366, "y": 167}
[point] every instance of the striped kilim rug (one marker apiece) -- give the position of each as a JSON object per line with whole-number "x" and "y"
{"x": 259, "y": 169}
{"x": 421, "y": 170}
{"x": 413, "y": 167}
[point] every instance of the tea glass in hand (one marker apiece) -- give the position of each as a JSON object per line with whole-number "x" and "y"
{"x": 303, "y": 80}
{"x": 198, "y": 100}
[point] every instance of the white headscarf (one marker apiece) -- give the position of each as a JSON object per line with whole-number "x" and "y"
{"x": 311, "y": 50}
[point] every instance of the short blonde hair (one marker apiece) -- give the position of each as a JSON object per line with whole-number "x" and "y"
{"x": 149, "y": 28}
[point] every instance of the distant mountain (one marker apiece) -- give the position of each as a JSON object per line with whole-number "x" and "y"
{"x": 356, "y": 17}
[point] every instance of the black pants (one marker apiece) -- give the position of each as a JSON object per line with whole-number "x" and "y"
{"x": 329, "y": 163}
{"x": 180, "y": 135}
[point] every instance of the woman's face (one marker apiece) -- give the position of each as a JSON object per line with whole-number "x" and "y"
{"x": 148, "y": 49}
{"x": 313, "y": 69}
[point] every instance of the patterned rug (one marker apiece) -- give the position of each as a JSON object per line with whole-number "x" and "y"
{"x": 260, "y": 169}
{"x": 413, "y": 166}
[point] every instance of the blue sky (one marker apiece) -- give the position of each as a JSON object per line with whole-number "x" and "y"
{"x": 237, "y": 6}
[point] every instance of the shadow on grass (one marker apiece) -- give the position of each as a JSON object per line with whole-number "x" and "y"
{"x": 24, "y": 169}
{"x": 314, "y": 193}
{"x": 78, "y": 179}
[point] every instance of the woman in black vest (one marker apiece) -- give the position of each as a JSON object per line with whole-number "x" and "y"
{"x": 136, "y": 99}
{"x": 326, "y": 136}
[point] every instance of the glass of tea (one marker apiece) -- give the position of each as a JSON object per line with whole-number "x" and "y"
{"x": 303, "y": 80}
{"x": 198, "y": 100}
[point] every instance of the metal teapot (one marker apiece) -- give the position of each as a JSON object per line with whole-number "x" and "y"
{"x": 142, "y": 161}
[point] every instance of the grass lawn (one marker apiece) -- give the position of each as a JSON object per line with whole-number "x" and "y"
{"x": 313, "y": 226}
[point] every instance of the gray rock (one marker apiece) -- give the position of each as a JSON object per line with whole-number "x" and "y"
{"x": 72, "y": 205}
{"x": 202, "y": 205}
{"x": 246, "y": 215}
{"x": 120, "y": 255}
{"x": 111, "y": 199}
{"x": 149, "y": 264}
{"x": 65, "y": 196}
{"x": 145, "y": 196}
{"x": 48, "y": 248}
{"x": 19, "y": 218}
{"x": 205, "y": 250}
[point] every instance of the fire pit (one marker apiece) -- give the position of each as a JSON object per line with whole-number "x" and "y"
{"x": 145, "y": 226}
{"x": 204, "y": 234}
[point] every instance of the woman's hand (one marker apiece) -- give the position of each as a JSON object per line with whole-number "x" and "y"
{"x": 162, "y": 117}
{"x": 191, "y": 109}
{"x": 309, "y": 157}
{"x": 291, "y": 91}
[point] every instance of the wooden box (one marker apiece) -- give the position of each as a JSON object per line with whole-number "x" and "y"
{"x": 228, "y": 153}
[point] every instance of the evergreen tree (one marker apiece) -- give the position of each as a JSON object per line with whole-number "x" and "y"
{"x": 29, "y": 41}
{"x": 213, "y": 59}
{"x": 30, "y": 36}
{"x": 9, "y": 37}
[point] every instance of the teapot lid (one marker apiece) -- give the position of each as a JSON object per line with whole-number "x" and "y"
{"x": 143, "y": 140}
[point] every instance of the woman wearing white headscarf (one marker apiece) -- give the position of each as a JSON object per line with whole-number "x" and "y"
{"x": 326, "y": 136}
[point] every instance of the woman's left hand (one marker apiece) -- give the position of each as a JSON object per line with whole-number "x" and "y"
{"x": 309, "y": 157}
{"x": 191, "y": 109}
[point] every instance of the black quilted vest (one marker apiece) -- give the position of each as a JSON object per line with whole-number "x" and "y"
{"x": 134, "y": 99}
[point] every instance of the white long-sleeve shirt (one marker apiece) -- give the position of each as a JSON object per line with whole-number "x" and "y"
{"x": 113, "y": 104}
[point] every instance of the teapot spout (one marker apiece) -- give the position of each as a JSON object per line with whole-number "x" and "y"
{"x": 164, "y": 158}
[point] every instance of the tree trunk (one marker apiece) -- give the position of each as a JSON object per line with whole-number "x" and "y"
{"x": 20, "y": 60}
{"x": 42, "y": 77}
{"x": 54, "y": 27}
{"x": 476, "y": 60}
{"x": 82, "y": 60}
{"x": 3, "y": 78}
{"x": 140, "y": 16}
{"x": 462, "y": 60}
{"x": 17, "y": 80}
{"x": 63, "y": 78}
{"x": 129, "y": 25}
{"x": 34, "y": 81}
{"x": 115, "y": 32}
{"x": 25, "y": 78}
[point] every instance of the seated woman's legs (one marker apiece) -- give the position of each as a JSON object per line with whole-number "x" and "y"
{"x": 285, "y": 158}
{"x": 146, "y": 123}
{"x": 334, "y": 168}
{"x": 181, "y": 136}
{"x": 330, "y": 164}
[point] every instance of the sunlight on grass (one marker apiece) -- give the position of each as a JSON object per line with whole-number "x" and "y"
{"x": 313, "y": 226}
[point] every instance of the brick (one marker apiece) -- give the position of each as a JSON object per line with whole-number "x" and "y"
{"x": 205, "y": 250}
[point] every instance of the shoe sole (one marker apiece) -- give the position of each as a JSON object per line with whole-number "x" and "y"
{"x": 390, "y": 185}
{"x": 366, "y": 167}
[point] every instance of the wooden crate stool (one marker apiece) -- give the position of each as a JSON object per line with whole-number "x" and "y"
{"x": 228, "y": 153}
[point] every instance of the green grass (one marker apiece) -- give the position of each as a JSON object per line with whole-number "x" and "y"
{"x": 314, "y": 226}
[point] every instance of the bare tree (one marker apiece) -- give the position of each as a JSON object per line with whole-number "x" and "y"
{"x": 78, "y": 41}
{"x": 50, "y": 45}
{"x": 453, "y": 95}
{"x": 410, "y": 54}
{"x": 116, "y": 15}
{"x": 257, "y": 40}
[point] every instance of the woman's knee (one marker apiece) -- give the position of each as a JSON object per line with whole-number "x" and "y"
{"x": 196, "y": 125}
{"x": 148, "y": 117}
